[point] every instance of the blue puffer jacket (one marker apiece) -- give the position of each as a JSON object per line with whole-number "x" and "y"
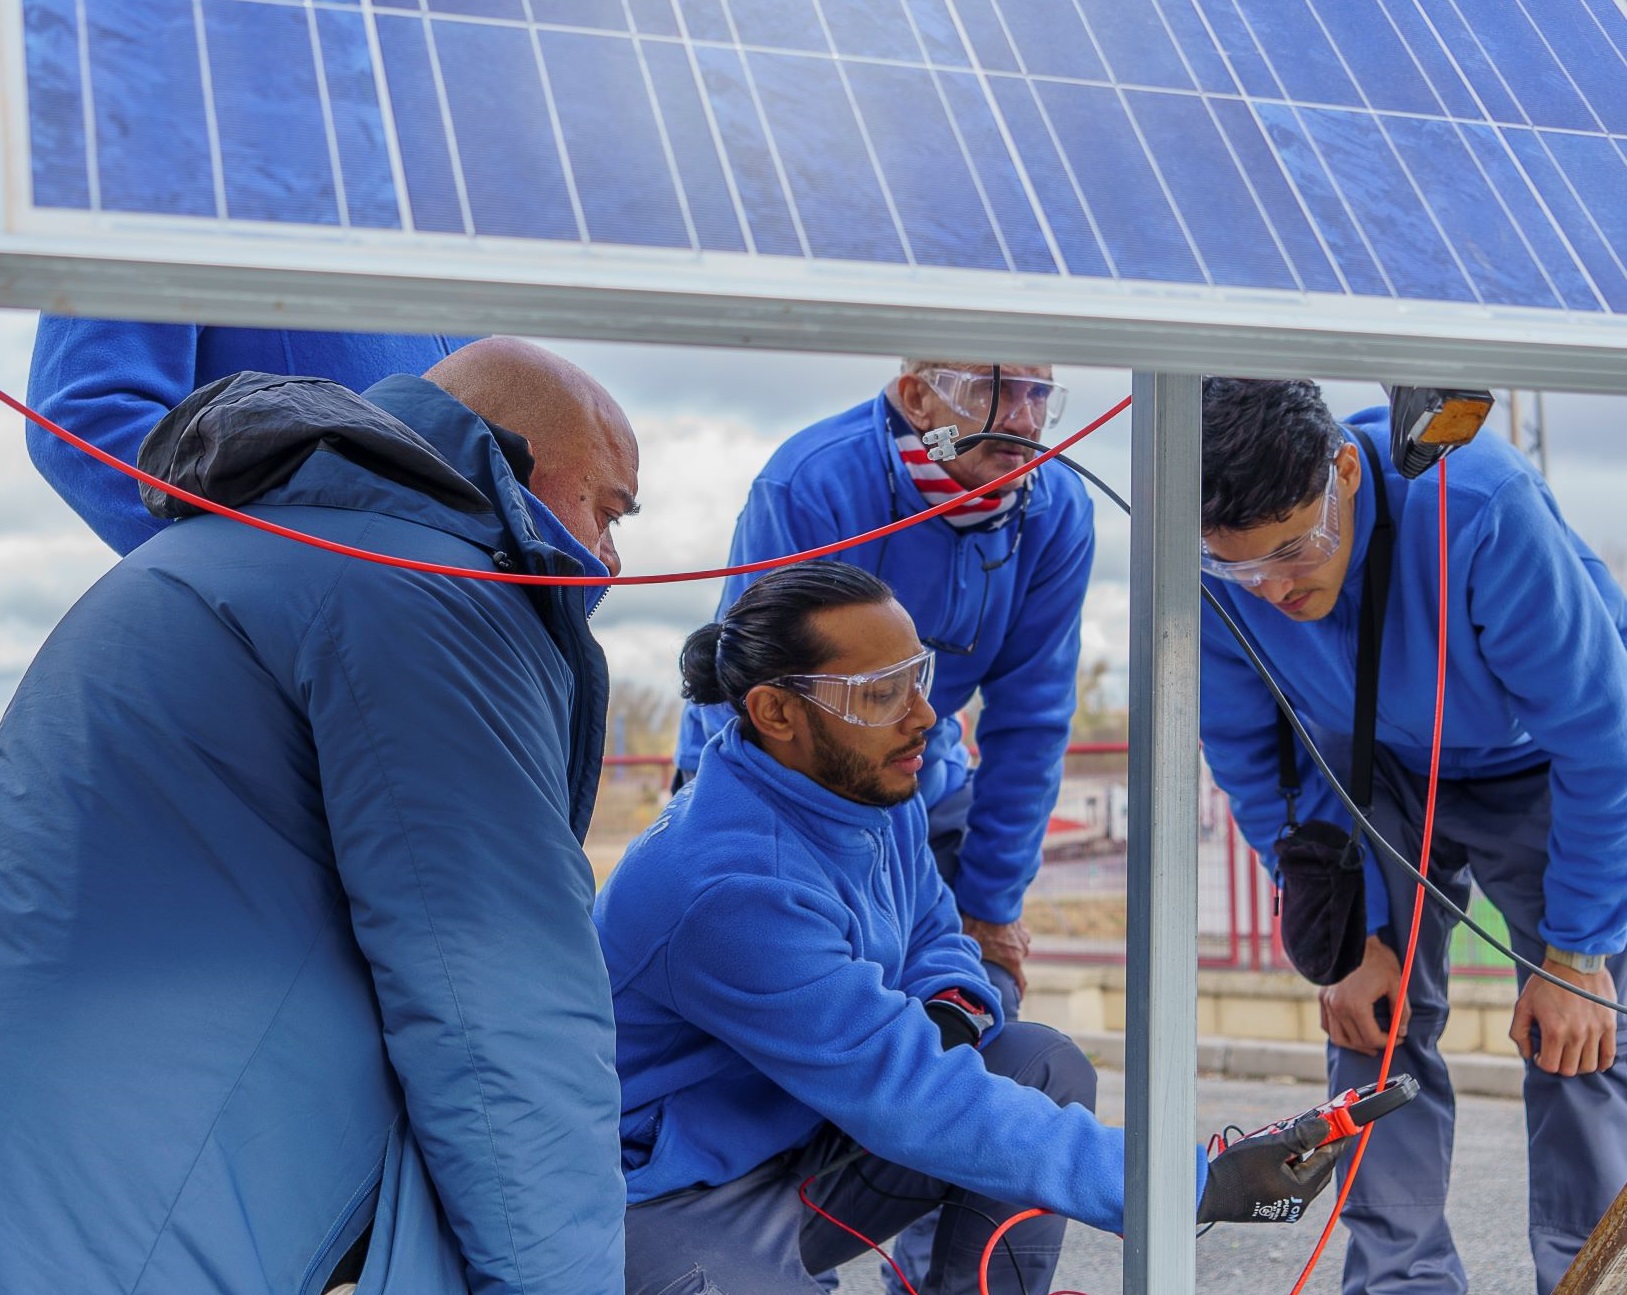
{"x": 770, "y": 944}
{"x": 110, "y": 381}
{"x": 295, "y": 925}
{"x": 1536, "y": 671}
{"x": 844, "y": 476}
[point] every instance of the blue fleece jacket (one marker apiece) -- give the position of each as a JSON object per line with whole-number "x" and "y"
{"x": 770, "y": 945}
{"x": 844, "y": 476}
{"x": 1536, "y": 671}
{"x": 110, "y": 381}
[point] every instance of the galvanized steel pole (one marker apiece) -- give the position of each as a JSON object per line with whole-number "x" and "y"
{"x": 1161, "y": 1006}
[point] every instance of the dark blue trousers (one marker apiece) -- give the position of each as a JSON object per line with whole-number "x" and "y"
{"x": 1494, "y": 831}
{"x": 753, "y": 1236}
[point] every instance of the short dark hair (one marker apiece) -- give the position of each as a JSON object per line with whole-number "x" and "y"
{"x": 1266, "y": 450}
{"x": 768, "y": 632}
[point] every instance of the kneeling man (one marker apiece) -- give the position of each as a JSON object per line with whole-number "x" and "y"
{"x": 791, "y": 984}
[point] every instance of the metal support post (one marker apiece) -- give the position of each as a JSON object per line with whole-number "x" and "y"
{"x": 1161, "y": 1041}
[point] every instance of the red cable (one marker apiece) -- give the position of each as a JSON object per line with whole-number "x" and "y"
{"x": 1417, "y": 903}
{"x": 524, "y": 578}
{"x": 802, "y": 1191}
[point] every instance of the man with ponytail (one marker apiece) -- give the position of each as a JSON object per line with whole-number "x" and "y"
{"x": 995, "y": 586}
{"x": 791, "y": 984}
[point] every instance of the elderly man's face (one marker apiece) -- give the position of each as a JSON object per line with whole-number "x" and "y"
{"x": 1017, "y": 413}
{"x": 595, "y": 483}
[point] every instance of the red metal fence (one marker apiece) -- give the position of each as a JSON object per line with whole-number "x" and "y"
{"x": 1076, "y": 907}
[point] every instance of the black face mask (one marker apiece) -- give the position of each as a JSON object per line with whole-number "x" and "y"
{"x": 1323, "y": 900}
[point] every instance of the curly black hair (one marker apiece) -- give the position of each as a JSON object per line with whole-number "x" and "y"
{"x": 1266, "y": 449}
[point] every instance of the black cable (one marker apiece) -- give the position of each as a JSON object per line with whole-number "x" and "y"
{"x": 1317, "y": 758}
{"x": 948, "y": 1204}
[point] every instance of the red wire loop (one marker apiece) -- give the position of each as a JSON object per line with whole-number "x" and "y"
{"x": 525, "y": 578}
{"x": 1417, "y": 903}
{"x": 802, "y": 1191}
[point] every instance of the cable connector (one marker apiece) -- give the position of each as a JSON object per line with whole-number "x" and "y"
{"x": 940, "y": 443}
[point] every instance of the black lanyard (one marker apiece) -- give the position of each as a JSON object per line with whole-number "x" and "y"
{"x": 1375, "y": 596}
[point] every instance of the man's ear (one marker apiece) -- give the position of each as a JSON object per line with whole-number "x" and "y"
{"x": 1350, "y": 467}
{"x": 912, "y": 397}
{"x": 774, "y": 713}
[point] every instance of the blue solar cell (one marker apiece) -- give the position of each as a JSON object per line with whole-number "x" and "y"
{"x": 779, "y": 24}
{"x": 1051, "y": 40}
{"x": 1538, "y": 82}
{"x": 1461, "y": 46}
{"x": 654, "y": 17}
{"x": 415, "y": 5}
{"x": 152, "y": 135}
{"x": 426, "y": 157}
{"x": 1489, "y": 150}
{"x": 1574, "y": 36}
{"x": 273, "y": 138}
{"x": 513, "y": 10}
{"x": 1135, "y": 44}
{"x": 1204, "y": 57}
{"x": 1276, "y": 196}
{"x": 871, "y": 29}
{"x": 832, "y": 182}
{"x": 1116, "y": 179}
{"x": 1441, "y": 72}
{"x": 623, "y": 179}
{"x": 936, "y": 27}
{"x": 987, "y": 35}
{"x": 1306, "y": 64}
{"x": 773, "y": 229}
{"x": 1612, "y": 21}
{"x": 1569, "y": 216}
{"x": 1376, "y": 58}
{"x": 937, "y": 201}
{"x": 1328, "y": 212}
{"x": 1002, "y": 185}
{"x": 1241, "y": 49}
{"x": 1598, "y": 174}
{"x": 705, "y": 19}
{"x": 506, "y": 148}
{"x": 700, "y": 170}
{"x": 56, "y": 105}
{"x": 1481, "y": 234}
{"x": 1364, "y": 167}
{"x": 358, "y": 125}
{"x": 1220, "y": 213}
{"x": 1064, "y": 213}
{"x": 602, "y": 15}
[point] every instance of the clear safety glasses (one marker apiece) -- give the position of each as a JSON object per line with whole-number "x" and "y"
{"x": 1296, "y": 558}
{"x": 874, "y": 700}
{"x": 968, "y": 395}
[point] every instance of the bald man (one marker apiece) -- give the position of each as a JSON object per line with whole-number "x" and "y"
{"x": 299, "y": 985}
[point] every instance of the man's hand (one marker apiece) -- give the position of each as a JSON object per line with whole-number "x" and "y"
{"x": 1348, "y": 1018}
{"x": 1271, "y": 1177}
{"x": 1578, "y": 1037}
{"x": 1003, "y": 943}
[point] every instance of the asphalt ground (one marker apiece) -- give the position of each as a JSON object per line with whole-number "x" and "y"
{"x": 1486, "y": 1206}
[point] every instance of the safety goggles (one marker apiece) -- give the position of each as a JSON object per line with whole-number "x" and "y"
{"x": 968, "y": 395}
{"x": 874, "y": 700}
{"x": 1296, "y": 558}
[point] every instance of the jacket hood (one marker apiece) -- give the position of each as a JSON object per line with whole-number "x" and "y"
{"x": 233, "y": 440}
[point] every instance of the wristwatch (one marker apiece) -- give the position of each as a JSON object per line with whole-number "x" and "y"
{"x": 1587, "y": 963}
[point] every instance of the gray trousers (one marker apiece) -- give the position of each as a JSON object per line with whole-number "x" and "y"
{"x": 1495, "y": 831}
{"x": 753, "y": 1236}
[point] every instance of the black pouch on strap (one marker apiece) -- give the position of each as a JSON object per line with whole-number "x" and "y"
{"x": 1323, "y": 901}
{"x": 1322, "y": 896}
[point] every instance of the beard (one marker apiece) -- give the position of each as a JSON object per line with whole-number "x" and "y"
{"x": 849, "y": 775}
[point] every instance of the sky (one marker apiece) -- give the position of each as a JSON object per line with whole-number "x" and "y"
{"x": 707, "y": 420}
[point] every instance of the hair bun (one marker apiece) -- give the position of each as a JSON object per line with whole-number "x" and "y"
{"x": 698, "y": 665}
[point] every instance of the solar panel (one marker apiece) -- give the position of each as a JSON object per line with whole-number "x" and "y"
{"x": 1429, "y": 151}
